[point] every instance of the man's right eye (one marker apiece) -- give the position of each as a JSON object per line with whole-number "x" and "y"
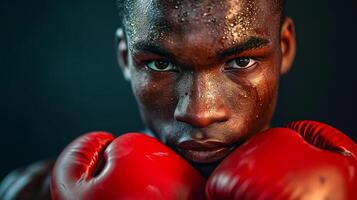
{"x": 161, "y": 65}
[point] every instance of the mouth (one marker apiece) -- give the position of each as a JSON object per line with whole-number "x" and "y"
{"x": 204, "y": 152}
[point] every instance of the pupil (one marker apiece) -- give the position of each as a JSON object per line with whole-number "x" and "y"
{"x": 161, "y": 64}
{"x": 242, "y": 62}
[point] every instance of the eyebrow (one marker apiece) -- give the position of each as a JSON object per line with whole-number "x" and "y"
{"x": 154, "y": 48}
{"x": 251, "y": 43}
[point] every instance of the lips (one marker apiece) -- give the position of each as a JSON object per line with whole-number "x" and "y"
{"x": 203, "y": 151}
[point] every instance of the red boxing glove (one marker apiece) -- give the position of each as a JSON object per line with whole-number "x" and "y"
{"x": 306, "y": 160}
{"x": 133, "y": 166}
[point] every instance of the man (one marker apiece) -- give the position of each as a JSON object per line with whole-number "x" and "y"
{"x": 205, "y": 75}
{"x": 205, "y": 71}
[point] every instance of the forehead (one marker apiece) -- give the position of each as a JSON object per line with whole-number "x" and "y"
{"x": 191, "y": 21}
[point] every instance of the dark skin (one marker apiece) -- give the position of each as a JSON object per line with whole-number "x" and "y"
{"x": 205, "y": 74}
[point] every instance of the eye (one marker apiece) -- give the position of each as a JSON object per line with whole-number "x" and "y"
{"x": 161, "y": 65}
{"x": 242, "y": 63}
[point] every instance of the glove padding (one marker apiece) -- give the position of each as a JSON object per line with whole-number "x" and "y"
{"x": 133, "y": 166}
{"x": 306, "y": 160}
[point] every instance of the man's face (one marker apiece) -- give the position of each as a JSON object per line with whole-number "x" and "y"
{"x": 205, "y": 74}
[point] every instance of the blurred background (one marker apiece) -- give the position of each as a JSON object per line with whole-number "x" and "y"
{"x": 59, "y": 77}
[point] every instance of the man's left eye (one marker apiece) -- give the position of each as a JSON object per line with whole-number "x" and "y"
{"x": 241, "y": 63}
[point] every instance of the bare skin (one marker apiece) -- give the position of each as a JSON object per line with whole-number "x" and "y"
{"x": 205, "y": 74}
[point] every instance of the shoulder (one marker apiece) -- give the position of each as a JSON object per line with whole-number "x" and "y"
{"x": 31, "y": 182}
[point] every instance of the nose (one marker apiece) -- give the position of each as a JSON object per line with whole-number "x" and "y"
{"x": 201, "y": 102}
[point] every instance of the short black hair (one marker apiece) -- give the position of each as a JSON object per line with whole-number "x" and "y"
{"x": 123, "y": 6}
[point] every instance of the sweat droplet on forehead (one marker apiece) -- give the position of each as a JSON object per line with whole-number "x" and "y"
{"x": 241, "y": 18}
{"x": 229, "y": 21}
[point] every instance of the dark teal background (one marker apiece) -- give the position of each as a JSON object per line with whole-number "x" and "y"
{"x": 59, "y": 76}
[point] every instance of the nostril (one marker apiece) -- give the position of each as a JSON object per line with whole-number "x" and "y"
{"x": 200, "y": 112}
{"x": 203, "y": 119}
{"x": 198, "y": 121}
{"x": 222, "y": 120}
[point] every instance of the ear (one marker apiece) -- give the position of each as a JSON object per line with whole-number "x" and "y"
{"x": 287, "y": 44}
{"x": 122, "y": 52}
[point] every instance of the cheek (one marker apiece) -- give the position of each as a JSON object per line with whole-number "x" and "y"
{"x": 266, "y": 89}
{"x": 253, "y": 102}
{"x": 154, "y": 93}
